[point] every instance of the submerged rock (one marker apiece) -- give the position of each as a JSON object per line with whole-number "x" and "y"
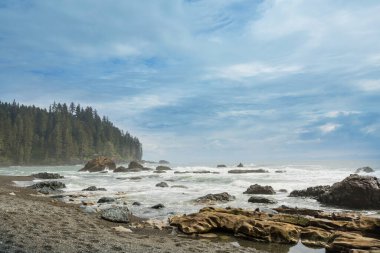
{"x": 158, "y": 206}
{"x": 247, "y": 171}
{"x": 136, "y": 203}
{"x": 106, "y": 200}
{"x": 283, "y": 190}
{"x": 365, "y": 169}
{"x": 162, "y": 184}
{"x": 163, "y": 162}
{"x": 117, "y": 214}
{"x": 311, "y": 192}
{"x": 161, "y": 168}
{"x": 221, "y": 166}
{"x": 258, "y": 189}
{"x": 159, "y": 171}
{"x": 99, "y": 163}
{"x": 46, "y": 175}
{"x": 94, "y": 188}
{"x": 121, "y": 169}
{"x": 354, "y": 191}
{"x": 218, "y": 197}
{"x": 280, "y": 171}
{"x": 255, "y": 199}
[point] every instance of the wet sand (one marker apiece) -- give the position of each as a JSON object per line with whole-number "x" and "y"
{"x": 31, "y": 223}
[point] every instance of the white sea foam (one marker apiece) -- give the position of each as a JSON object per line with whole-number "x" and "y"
{"x": 179, "y": 200}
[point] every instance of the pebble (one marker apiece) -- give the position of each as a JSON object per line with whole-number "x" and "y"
{"x": 12, "y": 194}
{"x": 122, "y": 229}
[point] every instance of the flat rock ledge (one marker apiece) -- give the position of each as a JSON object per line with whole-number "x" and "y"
{"x": 351, "y": 232}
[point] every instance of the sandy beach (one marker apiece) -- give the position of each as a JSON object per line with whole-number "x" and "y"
{"x": 31, "y": 223}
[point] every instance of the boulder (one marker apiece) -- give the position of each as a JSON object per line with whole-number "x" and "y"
{"x": 106, "y": 200}
{"x": 94, "y": 188}
{"x": 311, "y": 192}
{"x": 116, "y": 214}
{"x": 160, "y": 168}
{"x": 365, "y": 169}
{"x": 212, "y": 198}
{"x": 221, "y": 166}
{"x": 99, "y": 163}
{"x": 162, "y": 184}
{"x": 247, "y": 171}
{"x": 240, "y": 165}
{"x": 258, "y": 189}
{"x": 355, "y": 191}
{"x": 135, "y": 165}
{"x": 283, "y": 190}
{"x": 163, "y": 162}
{"x": 50, "y": 187}
{"x": 46, "y": 175}
{"x": 158, "y": 206}
{"x": 136, "y": 203}
{"x": 255, "y": 199}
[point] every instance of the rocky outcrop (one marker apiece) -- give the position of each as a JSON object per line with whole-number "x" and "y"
{"x": 94, "y": 188}
{"x": 258, "y": 189}
{"x": 359, "y": 233}
{"x": 117, "y": 214}
{"x": 240, "y": 165}
{"x": 355, "y": 191}
{"x": 255, "y": 199}
{"x": 214, "y": 198}
{"x": 161, "y": 168}
{"x": 221, "y": 166}
{"x": 311, "y": 192}
{"x": 50, "y": 187}
{"x": 162, "y": 184}
{"x": 99, "y": 163}
{"x": 46, "y": 175}
{"x": 365, "y": 169}
{"x": 247, "y": 171}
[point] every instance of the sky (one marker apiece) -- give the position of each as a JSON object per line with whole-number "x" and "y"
{"x": 206, "y": 81}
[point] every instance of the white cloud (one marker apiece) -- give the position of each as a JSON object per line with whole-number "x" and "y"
{"x": 334, "y": 114}
{"x": 246, "y": 70}
{"x": 329, "y": 127}
{"x": 369, "y": 85}
{"x": 244, "y": 113}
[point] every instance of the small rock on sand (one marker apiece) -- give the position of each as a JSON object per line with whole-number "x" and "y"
{"x": 122, "y": 229}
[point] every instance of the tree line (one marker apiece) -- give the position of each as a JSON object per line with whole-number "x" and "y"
{"x": 63, "y": 134}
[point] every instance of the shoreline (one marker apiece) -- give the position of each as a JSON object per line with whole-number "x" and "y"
{"x": 32, "y": 223}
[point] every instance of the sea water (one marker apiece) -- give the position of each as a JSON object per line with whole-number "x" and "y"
{"x": 180, "y": 200}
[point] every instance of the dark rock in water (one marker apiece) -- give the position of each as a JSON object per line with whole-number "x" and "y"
{"x": 134, "y": 178}
{"x": 221, "y": 166}
{"x": 94, "y": 188}
{"x": 182, "y": 172}
{"x": 51, "y": 187}
{"x": 311, "y": 192}
{"x": 163, "y": 162}
{"x": 283, "y": 190}
{"x": 280, "y": 171}
{"x": 135, "y": 165}
{"x": 355, "y": 191}
{"x": 106, "y": 200}
{"x": 258, "y": 189}
{"x": 218, "y": 197}
{"x": 179, "y": 186}
{"x": 160, "y": 168}
{"x": 99, "y": 163}
{"x": 159, "y": 171}
{"x": 116, "y": 214}
{"x": 365, "y": 169}
{"x": 201, "y": 172}
{"x": 121, "y": 169}
{"x": 46, "y": 175}
{"x": 255, "y": 199}
{"x": 240, "y": 165}
{"x": 158, "y": 206}
{"x": 162, "y": 184}
{"x": 136, "y": 203}
{"x": 247, "y": 171}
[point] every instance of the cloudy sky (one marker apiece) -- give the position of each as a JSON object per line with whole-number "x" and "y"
{"x": 206, "y": 80}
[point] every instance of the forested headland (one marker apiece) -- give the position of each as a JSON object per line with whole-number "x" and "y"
{"x": 62, "y": 134}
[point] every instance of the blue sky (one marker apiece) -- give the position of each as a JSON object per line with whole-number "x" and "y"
{"x": 204, "y": 81}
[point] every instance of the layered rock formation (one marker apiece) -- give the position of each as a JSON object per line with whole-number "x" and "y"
{"x": 356, "y": 232}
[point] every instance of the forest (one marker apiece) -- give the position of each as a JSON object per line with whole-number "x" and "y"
{"x": 62, "y": 134}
